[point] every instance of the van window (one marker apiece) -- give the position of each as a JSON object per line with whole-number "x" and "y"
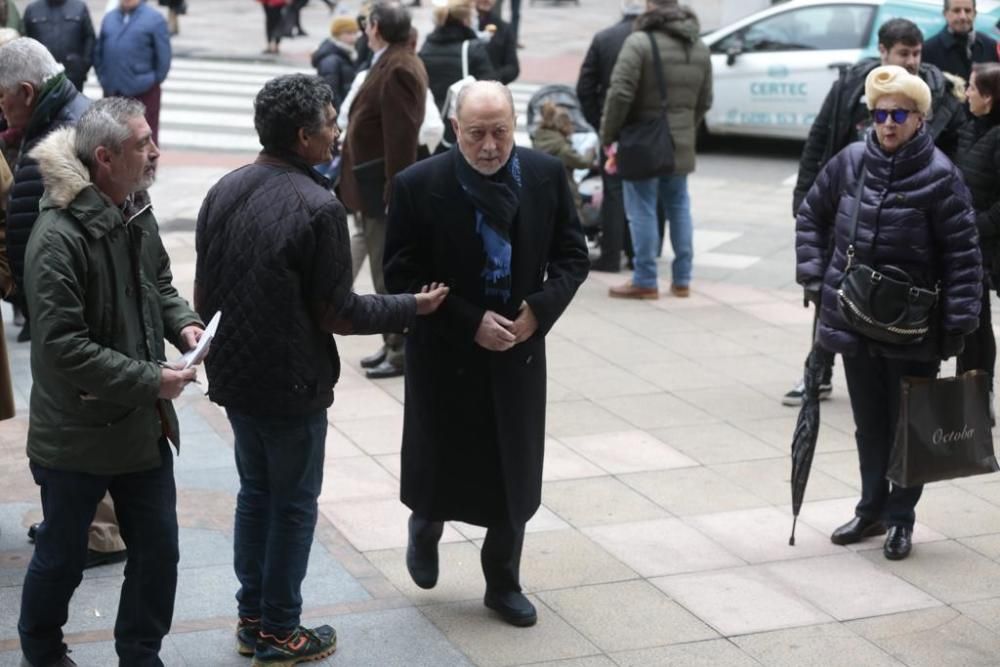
{"x": 824, "y": 27}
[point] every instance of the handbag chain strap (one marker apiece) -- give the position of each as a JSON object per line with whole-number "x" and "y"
{"x": 854, "y": 216}
{"x": 658, "y": 68}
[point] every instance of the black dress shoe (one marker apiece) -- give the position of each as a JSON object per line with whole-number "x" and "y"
{"x": 98, "y": 558}
{"x": 386, "y": 369}
{"x": 856, "y": 530}
{"x": 32, "y": 531}
{"x": 898, "y": 543}
{"x": 605, "y": 267}
{"x": 422, "y": 551}
{"x": 373, "y": 360}
{"x": 512, "y": 606}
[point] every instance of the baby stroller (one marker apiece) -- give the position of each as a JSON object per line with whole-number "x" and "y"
{"x": 584, "y": 139}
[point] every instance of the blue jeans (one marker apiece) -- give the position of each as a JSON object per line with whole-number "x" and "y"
{"x": 280, "y": 462}
{"x": 146, "y": 507}
{"x": 640, "y": 207}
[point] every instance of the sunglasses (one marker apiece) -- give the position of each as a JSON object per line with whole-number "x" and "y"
{"x": 899, "y": 116}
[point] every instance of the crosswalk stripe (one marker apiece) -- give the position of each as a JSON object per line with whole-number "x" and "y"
{"x": 208, "y": 104}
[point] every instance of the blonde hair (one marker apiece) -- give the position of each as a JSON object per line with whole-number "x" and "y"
{"x": 894, "y": 80}
{"x": 456, "y": 11}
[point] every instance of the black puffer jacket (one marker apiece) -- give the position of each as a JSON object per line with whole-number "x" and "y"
{"x": 64, "y": 27}
{"x": 501, "y": 48}
{"x": 60, "y": 106}
{"x": 334, "y": 65}
{"x": 844, "y": 119}
{"x": 442, "y": 56}
{"x": 978, "y": 157}
{"x": 916, "y": 214}
{"x": 274, "y": 256}
{"x": 595, "y": 72}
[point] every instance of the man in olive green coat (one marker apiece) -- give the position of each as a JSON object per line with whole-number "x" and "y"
{"x": 634, "y": 96}
{"x": 98, "y": 283}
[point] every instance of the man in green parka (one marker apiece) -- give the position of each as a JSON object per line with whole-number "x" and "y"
{"x": 98, "y": 284}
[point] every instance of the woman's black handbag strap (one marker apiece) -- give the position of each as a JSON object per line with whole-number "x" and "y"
{"x": 854, "y": 216}
{"x": 658, "y": 67}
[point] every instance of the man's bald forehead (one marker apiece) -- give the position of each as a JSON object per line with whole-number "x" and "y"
{"x": 484, "y": 93}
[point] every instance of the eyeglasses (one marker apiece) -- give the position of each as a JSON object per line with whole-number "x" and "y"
{"x": 899, "y": 116}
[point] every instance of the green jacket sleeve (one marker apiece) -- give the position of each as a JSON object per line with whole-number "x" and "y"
{"x": 55, "y": 280}
{"x": 177, "y": 314}
{"x": 625, "y": 79}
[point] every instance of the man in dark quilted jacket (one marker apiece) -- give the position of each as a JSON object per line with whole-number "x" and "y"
{"x": 274, "y": 257}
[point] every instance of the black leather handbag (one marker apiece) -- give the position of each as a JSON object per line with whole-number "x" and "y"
{"x": 646, "y": 149}
{"x": 883, "y": 303}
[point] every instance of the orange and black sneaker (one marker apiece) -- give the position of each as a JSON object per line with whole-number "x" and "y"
{"x": 302, "y": 645}
{"x": 247, "y": 630}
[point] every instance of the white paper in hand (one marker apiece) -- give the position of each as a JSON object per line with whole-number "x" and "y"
{"x": 197, "y": 354}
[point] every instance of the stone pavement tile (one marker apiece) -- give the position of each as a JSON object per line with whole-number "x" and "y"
{"x": 827, "y": 645}
{"x": 931, "y": 638}
{"x": 571, "y": 418}
{"x": 395, "y": 387}
{"x": 712, "y": 653}
{"x": 752, "y": 369}
{"x": 720, "y": 317}
{"x": 740, "y": 601}
{"x": 654, "y": 323}
{"x": 827, "y": 515}
{"x": 375, "y": 523}
{"x": 598, "y": 501}
{"x": 563, "y": 352}
{"x": 984, "y": 612}
{"x": 989, "y": 491}
{"x": 587, "y": 661}
{"x": 602, "y": 381}
{"x": 479, "y": 633}
{"x": 94, "y": 606}
{"x": 777, "y": 313}
{"x": 387, "y": 638}
{"x": 716, "y": 443}
{"x": 355, "y": 478}
{"x": 201, "y": 547}
{"x": 93, "y": 654}
{"x": 638, "y": 351}
{"x": 956, "y": 512}
{"x": 374, "y": 435}
{"x": 761, "y": 535}
{"x": 338, "y": 446}
{"x": 561, "y": 462}
{"x": 770, "y": 479}
{"x": 577, "y": 323}
{"x": 626, "y": 615}
{"x": 564, "y": 558}
{"x": 732, "y": 294}
{"x": 663, "y": 546}
{"x": 543, "y": 520}
{"x": 987, "y": 545}
{"x": 841, "y": 466}
{"x": 649, "y": 411}
{"x": 703, "y": 345}
{"x": 848, "y": 586}
{"x": 556, "y": 392}
{"x": 734, "y": 403}
{"x": 678, "y": 376}
{"x": 362, "y": 403}
{"x": 688, "y": 491}
{"x": 947, "y": 570}
{"x": 461, "y": 577}
{"x": 201, "y": 450}
{"x": 627, "y": 451}
{"x": 15, "y": 517}
{"x": 223, "y": 480}
{"x": 391, "y": 463}
{"x": 786, "y": 345}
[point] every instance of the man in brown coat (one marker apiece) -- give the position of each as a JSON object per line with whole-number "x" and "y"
{"x": 378, "y": 147}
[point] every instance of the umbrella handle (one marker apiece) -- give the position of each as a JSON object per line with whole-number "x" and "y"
{"x": 791, "y": 539}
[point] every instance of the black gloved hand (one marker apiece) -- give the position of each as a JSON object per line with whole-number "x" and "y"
{"x": 952, "y": 345}
{"x": 811, "y": 294}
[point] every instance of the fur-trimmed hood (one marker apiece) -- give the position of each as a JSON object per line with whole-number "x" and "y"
{"x": 63, "y": 174}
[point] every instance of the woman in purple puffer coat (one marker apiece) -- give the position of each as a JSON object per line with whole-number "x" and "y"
{"x": 916, "y": 214}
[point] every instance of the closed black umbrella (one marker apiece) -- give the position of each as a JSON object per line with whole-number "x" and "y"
{"x": 806, "y": 433}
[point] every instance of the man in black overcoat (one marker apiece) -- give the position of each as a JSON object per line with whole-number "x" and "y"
{"x": 498, "y": 223}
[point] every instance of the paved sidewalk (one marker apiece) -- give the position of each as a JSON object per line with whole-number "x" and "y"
{"x": 662, "y": 539}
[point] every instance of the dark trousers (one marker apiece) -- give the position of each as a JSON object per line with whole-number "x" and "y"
{"x": 613, "y": 227}
{"x": 273, "y": 23}
{"x": 280, "y": 463}
{"x": 146, "y": 505}
{"x": 980, "y": 351}
{"x": 874, "y": 387}
{"x": 373, "y": 229}
{"x": 500, "y": 556}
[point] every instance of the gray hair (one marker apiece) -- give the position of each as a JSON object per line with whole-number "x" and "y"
{"x": 476, "y": 86}
{"x": 105, "y": 123}
{"x": 25, "y": 60}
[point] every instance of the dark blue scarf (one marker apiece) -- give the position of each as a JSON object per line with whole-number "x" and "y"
{"x": 496, "y": 199}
